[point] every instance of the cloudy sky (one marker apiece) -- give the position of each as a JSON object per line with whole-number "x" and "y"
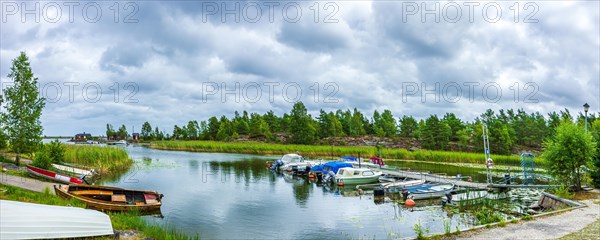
{"x": 170, "y": 62}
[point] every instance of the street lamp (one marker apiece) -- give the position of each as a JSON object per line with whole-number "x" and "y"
{"x": 586, "y": 107}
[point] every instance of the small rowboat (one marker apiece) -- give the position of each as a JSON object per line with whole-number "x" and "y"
{"x": 430, "y": 190}
{"x": 74, "y": 170}
{"x": 21, "y": 220}
{"x": 111, "y": 198}
{"x": 43, "y": 173}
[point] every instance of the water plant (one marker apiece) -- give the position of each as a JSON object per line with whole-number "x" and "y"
{"x": 418, "y": 228}
{"x": 104, "y": 160}
{"x": 447, "y": 225}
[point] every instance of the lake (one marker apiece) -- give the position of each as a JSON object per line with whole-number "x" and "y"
{"x": 234, "y": 196}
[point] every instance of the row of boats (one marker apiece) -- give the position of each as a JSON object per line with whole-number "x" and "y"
{"x": 350, "y": 171}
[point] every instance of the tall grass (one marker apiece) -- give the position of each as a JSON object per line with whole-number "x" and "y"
{"x": 120, "y": 221}
{"x": 335, "y": 151}
{"x": 104, "y": 160}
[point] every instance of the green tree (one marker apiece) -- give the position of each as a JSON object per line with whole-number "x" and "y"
{"x": 110, "y": 131}
{"x": 595, "y": 170}
{"x": 569, "y": 150}
{"x": 42, "y": 158}
{"x": 226, "y": 131}
{"x": 192, "y": 130}
{"x": 301, "y": 128}
{"x": 388, "y": 123}
{"x": 455, "y": 125}
{"x": 122, "y": 133}
{"x": 158, "y": 134}
{"x": 21, "y": 121}
{"x": 213, "y": 128}
{"x": 408, "y": 126}
{"x": 146, "y": 133}
{"x": 435, "y": 134}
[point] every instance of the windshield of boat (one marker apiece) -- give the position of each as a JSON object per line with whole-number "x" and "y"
{"x": 368, "y": 173}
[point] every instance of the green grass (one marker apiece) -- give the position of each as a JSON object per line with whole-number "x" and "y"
{"x": 328, "y": 151}
{"x": 120, "y": 221}
{"x": 104, "y": 160}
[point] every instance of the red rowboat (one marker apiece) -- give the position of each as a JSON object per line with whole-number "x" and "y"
{"x": 52, "y": 175}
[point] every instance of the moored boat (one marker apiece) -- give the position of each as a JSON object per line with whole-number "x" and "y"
{"x": 466, "y": 198}
{"x": 349, "y": 175}
{"x": 111, "y": 198}
{"x": 43, "y": 173}
{"x": 328, "y": 169}
{"x": 402, "y": 184}
{"x": 429, "y": 190}
{"x": 21, "y": 220}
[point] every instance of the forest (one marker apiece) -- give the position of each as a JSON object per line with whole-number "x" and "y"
{"x": 509, "y": 130}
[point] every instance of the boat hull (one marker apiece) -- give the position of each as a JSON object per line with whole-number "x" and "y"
{"x": 353, "y": 181}
{"x": 38, "y": 172}
{"x": 21, "y": 220}
{"x": 427, "y": 192}
{"x": 65, "y": 192}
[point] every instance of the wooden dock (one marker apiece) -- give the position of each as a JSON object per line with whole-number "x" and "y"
{"x": 449, "y": 179}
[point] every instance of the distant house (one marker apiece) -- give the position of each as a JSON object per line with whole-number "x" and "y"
{"x": 135, "y": 137}
{"x": 82, "y": 137}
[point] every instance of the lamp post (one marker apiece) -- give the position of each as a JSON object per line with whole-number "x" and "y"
{"x": 586, "y": 107}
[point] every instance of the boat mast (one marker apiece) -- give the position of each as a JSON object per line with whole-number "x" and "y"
{"x": 486, "y": 148}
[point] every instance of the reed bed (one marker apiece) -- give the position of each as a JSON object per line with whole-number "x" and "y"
{"x": 104, "y": 160}
{"x": 335, "y": 151}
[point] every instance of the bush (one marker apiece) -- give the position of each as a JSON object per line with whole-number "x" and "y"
{"x": 42, "y": 158}
{"x": 56, "y": 151}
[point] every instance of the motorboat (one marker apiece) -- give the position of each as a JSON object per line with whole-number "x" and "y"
{"x": 348, "y": 175}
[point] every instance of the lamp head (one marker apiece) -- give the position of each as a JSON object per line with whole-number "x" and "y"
{"x": 586, "y": 107}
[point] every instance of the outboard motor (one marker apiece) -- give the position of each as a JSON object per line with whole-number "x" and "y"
{"x": 404, "y": 194}
{"x": 378, "y": 192}
{"x": 329, "y": 177}
{"x": 276, "y": 164}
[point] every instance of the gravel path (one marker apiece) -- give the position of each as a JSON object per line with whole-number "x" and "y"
{"x": 26, "y": 183}
{"x": 550, "y": 227}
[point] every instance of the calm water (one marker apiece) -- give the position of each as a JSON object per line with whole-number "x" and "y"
{"x": 234, "y": 196}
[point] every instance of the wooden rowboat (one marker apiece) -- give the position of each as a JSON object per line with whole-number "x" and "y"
{"x": 43, "y": 173}
{"x": 111, "y": 198}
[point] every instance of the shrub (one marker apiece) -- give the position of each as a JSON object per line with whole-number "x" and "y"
{"x": 42, "y": 158}
{"x": 56, "y": 151}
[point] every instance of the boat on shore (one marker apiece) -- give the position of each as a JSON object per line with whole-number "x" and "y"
{"x": 50, "y": 175}
{"x": 21, "y": 220}
{"x": 348, "y": 176}
{"x": 427, "y": 191}
{"x": 74, "y": 170}
{"x": 112, "y": 198}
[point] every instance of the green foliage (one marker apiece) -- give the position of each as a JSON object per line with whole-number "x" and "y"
{"x": 23, "y": 104}
{"x": 56, "y": 151}
{"x": 301, "y": 128}
{"x": 42, "y": 158}
{"x": 447, "y": 225}
{"x": 594, "y": 129}
{"x": 408, "y": 126}
{"x": 122, "y": 133}
{"x": 104, "y": 160}
{"x": 563, "y": 192}
{"x": 436, "y": 134}
{"x": 419, "y": 230}
{"x": 486, "y": 215}
{"x": 146, "y": 133}
{"x": 569, "y": 150}
{"x": 526, "y": 218}
{"x": 110, "y": 131}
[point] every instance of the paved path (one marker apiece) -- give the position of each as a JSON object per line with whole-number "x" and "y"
{"x": 550, "y": 227}
{"x": 26, "y": 183}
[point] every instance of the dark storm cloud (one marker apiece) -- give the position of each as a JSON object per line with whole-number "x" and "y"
{"x": 174, "y": 49}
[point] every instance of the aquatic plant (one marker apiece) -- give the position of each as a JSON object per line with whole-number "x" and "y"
{"x": 104, "y": 160}
{"x": 447, "y": 225}
{"x": 419, "y": 230}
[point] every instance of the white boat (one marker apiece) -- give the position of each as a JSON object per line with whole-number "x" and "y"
{"x": 21, "y": 220}
{"x": 430, "y": 190}
{"x": 74, "y": 170}
{"x": 293, "y": 163}
{"x": 347, "y": 175}
{"x": 400, "y": 184}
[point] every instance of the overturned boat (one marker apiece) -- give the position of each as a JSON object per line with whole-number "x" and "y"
{"x": 50, "y": 175}
{"x": 21, "y": 220}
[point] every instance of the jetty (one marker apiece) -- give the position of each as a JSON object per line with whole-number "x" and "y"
{"x": 437, "y": 178}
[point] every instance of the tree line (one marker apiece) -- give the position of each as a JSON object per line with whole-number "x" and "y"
{"x": 507, "y": 128}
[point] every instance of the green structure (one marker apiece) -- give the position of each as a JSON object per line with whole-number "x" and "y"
{"x": 528, "y": 166}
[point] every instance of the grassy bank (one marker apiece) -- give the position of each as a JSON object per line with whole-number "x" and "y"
{"x": 328, "y": 151}
{"x": 104, "y": 160}
{"x": 120, "y": 221}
